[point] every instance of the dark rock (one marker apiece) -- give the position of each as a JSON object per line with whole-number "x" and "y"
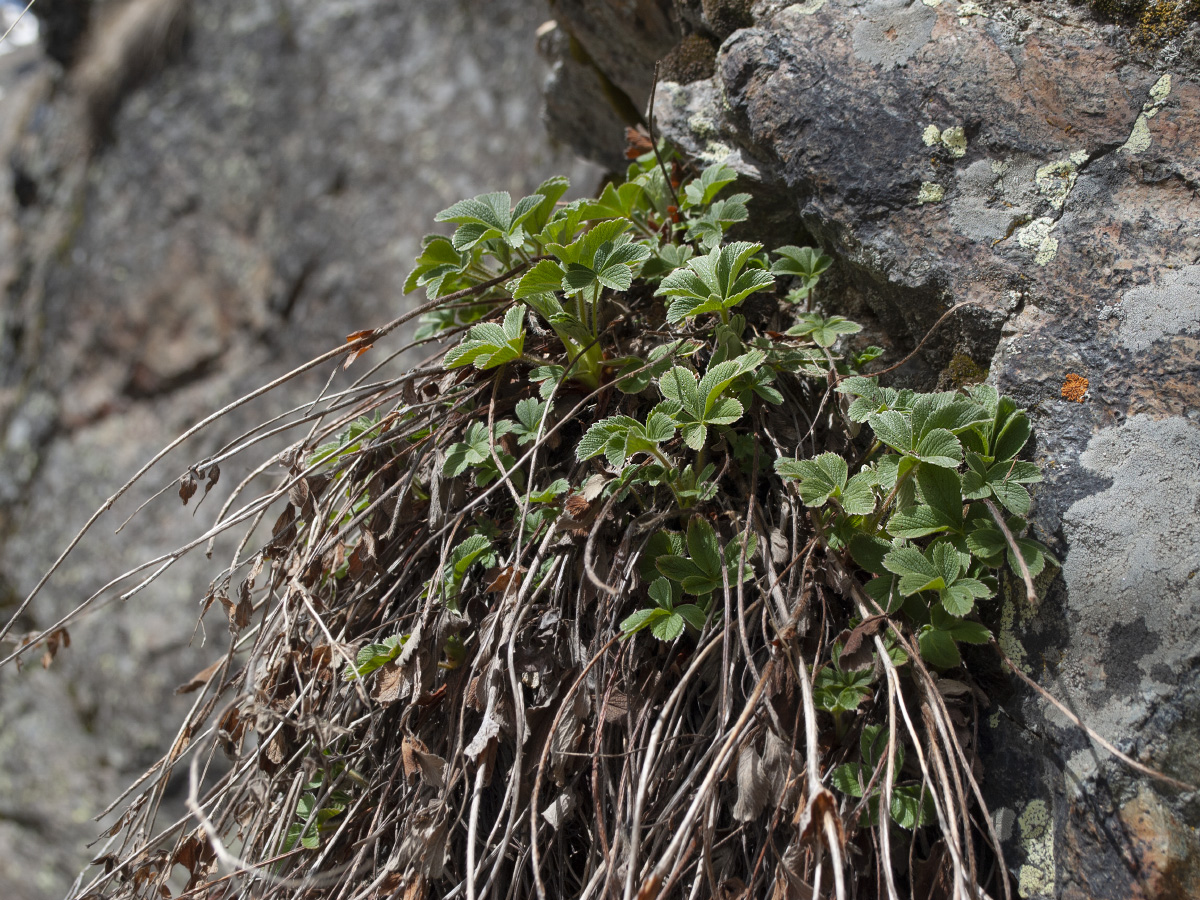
{"x": 1042, "y": 163}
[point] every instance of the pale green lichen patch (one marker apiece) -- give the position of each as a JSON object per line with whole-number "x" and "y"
{"x": 805, "y": 9}
{"x": 1008, "y": 640}
{"x": 715, "y": 152}
{"x": 931, "y": 192}
{"x": 1037, "y": 236}
{"x": 1139, "y": 135}
{"x": 932, "y": 2}
{"x": 1036, "y": 878}
{"x": 968, "y": 9}
{"x": 932, "y": 135}
{"x": 955, "y": 140}
{"x": 702, "y": 126}
{"x": 1055, "y": 180}
{"x": 1161, "y": 89}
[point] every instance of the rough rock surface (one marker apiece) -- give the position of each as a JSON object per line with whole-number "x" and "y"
{"x": 258, "y": 194}
{"x": 1029, "y": 158}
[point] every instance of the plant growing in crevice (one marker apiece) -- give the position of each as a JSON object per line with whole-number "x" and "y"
{"x": 555, "y": 582}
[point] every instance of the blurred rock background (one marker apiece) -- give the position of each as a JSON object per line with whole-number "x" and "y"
{"x": 197, "y": 197}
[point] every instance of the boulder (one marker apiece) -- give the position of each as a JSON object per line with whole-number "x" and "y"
{"x": 1041, "y": 163}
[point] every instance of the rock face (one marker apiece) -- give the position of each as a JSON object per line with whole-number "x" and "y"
{"x": 1028, "y": 158}
{"x": 209, "y": 195}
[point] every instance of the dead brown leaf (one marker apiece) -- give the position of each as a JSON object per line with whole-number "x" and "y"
{"x": 201, "y": 678}
{"x": 187, "y": 487}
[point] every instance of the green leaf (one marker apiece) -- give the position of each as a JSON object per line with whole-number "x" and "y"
{"x": 942, "y": 490}
{"x": 939, "y": 447}
{"x": 894, "y": 429}
{"x": 819, "y": 478}
{"x": 1012, "y": 437}
{"x": 868, "y": 551}
{"x": 803, "y": 262}
{"x": 614, "y": 202}
{"x": 661, "y": 543}
{"x": 667, "y": 628}
{"x": 713, "y": 282}
{"x": 693, "y": 615}
{"x": 643, "y": 618}
{"x": 489, "y": 345}
{"x": 552, "y": 190}
{"x": 680, "y": 385}
{"x": 938, "y": 648}
{"x": 823, "y": 331}
{"x": 971, "y": 632}
{"x": 663, "y": 593}
{"x": 701, "y": 191}
{"x": 545, "y": 277}
{"x": 912, "y": 806}
{"x": 677, "y": 568}
{"x": 703, "y": 547}
{"x": 486, "y": 217}
{"x": 850, "y": 779}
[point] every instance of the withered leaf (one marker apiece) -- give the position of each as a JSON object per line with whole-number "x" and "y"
{"x": 752, "y": 786}
{"x": 108, "y": 860}
{"x": 359, "y": 351}
{"x": 388, "y": 683}
{"x": 617, "y": 707}
{"x": 276, "y": 748}
{"x": 812, "y": 817}
{"x": 419, "y": 761}
{"x": 241, "y": 613}
{"x": 852, "y": 658}
{"x": 499, "y": 579}
{"x": 214, "y": 475}
{"x": 200, "y": 679}
{"x": 284, "y": 521}
{"x": 298, "y": 493}
{"x": 187, "y": 487}
{"x": 576, "y": 506}
{"x": 58, "y": 637}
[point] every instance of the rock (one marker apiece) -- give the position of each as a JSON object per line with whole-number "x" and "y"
{"x": 255, "y": 199}
{"x": 1041, "y": 162}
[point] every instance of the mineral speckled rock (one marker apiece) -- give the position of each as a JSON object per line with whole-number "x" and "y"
{"x": 1030, "y": 158}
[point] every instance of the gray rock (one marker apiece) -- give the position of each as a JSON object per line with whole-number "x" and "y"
{"x": 254, "y": 200}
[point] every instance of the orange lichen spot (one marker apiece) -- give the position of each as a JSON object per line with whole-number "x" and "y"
{"x": 1074, "y": 387}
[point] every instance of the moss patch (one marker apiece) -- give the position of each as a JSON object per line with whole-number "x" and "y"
{"x": 725, "y": 17}
{"x": 961, "y": 371}
{"x": 1153, "y": 22}
{"x": 693, "y": 59}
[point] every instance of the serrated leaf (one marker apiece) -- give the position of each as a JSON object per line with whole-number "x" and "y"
{"x": 702, "y": 190}
{"x": 858, "y": 496}
{"x": 668, "y": 627}
{"x": 846, "y": 777}
{"x": 868, "y": 551}
{"x": 693, "y": 615}
{"x": 677, "y": 568}
{"x": 939, "y": 447}
{"x": 641, "y": 619}
{"x": 703, "y": 547}
{"x": 938, "y": 648}
{"x": 893, "y": 428}
{"x": 545, "y": 277}
{"x": 971, "y": 632}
